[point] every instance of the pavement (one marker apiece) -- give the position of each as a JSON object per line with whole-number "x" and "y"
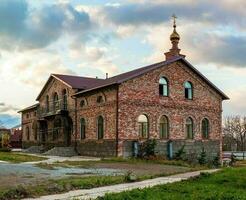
{"x": 93, "y": 193}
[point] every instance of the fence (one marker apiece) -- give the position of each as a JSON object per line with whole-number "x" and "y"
{"x": 240, "y": 155}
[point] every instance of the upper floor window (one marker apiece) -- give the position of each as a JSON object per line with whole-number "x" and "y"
{"x": 143, "y": 126}
{"x": 163, "y": 87}
{"x": 82, "y": 128}
{"x": 27, "y": 115}
{"x": 64, "y": 96}
{"x": 188, "y": 90}
{"x": 164, "y": 127}
{"x": 47, "y": 103}
{"x": 83, "y": 103}
{"x": 100, "y": 99}
{"x": 100, "y": 127}
{"x": 205, "y": 128}
{"x": 189, "y": 128}
{"x": 56, "y": 101}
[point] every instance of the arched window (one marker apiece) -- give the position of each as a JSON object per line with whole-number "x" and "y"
{"x": 47, "y": 104}
{"x": 27, "y": 133}
{"x": 188, "y": 90}
{"x": 164, "y": 127}
{"x": 143, "y": 126}
{"x": 189, "y": 128}
{"x": 100, "y": 99}
{"x": 83, "y": 103}
{"x": 82, "y": 128}
{"x": 205, "y": 128}
{"x": 100, "y": 127}
{"x": 64, "y": 99}
{"x": 163, "y": 87}
{"x": 56, "y": 102}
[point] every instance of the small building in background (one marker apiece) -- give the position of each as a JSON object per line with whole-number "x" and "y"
{"x": 16, "y": 137}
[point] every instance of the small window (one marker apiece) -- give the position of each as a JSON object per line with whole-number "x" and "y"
{"x": 163, "y": 87}
{"x": 143, "y": 126}
{"x": 47, "y": 104}
{"x": 205, "y": 128}
{"x": 189, "y": 128}
{"x": 188, "y": 90}
{"x": 56, "y": 102}
{"x": 82, "y": 103}
{"x": 100, "y": 127}
{"x": 82, "y": 128}
{"x": 27, "y": 115}
{"x": 99, "y": 99}
{"x": 64, "y": 99}
{"x": 164, "y": 127}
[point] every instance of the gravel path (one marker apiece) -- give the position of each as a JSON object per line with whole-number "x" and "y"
{"x": 93, "y": 193}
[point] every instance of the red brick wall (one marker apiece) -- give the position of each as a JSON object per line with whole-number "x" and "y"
{"x": 93, "y": 109}
{"x": 141, "y": 96}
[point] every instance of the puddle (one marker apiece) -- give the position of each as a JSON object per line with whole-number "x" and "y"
{"x": 29, "y": 170}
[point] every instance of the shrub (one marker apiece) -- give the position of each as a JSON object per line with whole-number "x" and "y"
{"x": 233, "y": 159}
{"x": 147, "y": 148}
{"x": 130, "y": 177}
{"x": 202, "y": 159}
{"x": 216, "y": 161}
{"x": 179, "y": 155}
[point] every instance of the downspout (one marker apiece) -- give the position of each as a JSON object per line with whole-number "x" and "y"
{"x": 117, "y": 120}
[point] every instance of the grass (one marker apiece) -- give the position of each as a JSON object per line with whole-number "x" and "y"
{"x": 228, "y": 184}
{"x": 59, "y": 186}
{"x": 18, "y": 157}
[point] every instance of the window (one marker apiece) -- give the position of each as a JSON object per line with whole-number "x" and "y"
{"x": 27, "y": 116}
{"x": 164, "y": 127}
{"x": 83, "y": 103}
{"x": 56, "y": 102}
{"x": 27, "y": 133}
{"x": 82, "y": 128}
{"x": 64, "y": 95}
{"x": 189, "y": 128}
{"x": 99, "y": 99}
{"x": 188, "y": 90}
{"x": 47, "y": 104}
{"x": 163, "y": 87}
{"x": 143, "y": 126}
{"x": 100, "y": 127}
{"x": 205, "y": 128}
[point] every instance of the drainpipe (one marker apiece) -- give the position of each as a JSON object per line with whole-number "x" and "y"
{"x": 117, "y": 120}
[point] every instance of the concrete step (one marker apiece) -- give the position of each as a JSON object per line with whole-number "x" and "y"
{"x": 61, "y": 151}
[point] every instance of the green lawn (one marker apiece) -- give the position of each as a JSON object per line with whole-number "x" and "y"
{"x": 18, "y": 157}
{"x": 228, "y": 184}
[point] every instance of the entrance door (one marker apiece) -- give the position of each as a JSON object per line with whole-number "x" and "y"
{"x": 68, "y": 129}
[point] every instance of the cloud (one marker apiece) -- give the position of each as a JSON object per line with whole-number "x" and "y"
{"x": 4, "y": 108}
{"x": 38, "y": 27}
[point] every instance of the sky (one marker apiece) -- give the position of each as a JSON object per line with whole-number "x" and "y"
{"x": 95, "y": 37}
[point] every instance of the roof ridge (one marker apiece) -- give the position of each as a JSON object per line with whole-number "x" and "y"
{"x": 77, "y": 76}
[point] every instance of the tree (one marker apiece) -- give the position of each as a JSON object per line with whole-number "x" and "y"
{"x": 235, "y": 128}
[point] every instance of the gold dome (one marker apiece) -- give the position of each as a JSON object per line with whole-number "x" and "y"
{"x": 174, "y": 35}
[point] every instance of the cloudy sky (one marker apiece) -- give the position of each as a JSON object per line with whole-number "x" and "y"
{"x": 92, "y": 37}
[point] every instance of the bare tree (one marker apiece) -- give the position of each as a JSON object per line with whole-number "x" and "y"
{"x": 235, "y": 128}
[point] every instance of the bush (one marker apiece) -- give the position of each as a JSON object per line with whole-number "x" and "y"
{"x": 5, "y": 149}
{"x": 179, "y": 155}
{"x": 202, "y": 159}
{"x": 216, "y": 161}
{"x": 233, "y": 159}
{"x": 147, "y": 148}
{"x": 130, "y": 177}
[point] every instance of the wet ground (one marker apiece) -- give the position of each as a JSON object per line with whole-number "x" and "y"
{"x": 16, "y": 174}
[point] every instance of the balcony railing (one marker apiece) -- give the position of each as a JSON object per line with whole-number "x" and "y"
{"x": 52, "y": 108}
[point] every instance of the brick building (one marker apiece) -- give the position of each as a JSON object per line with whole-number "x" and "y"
{"x": 170, "y": 101}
